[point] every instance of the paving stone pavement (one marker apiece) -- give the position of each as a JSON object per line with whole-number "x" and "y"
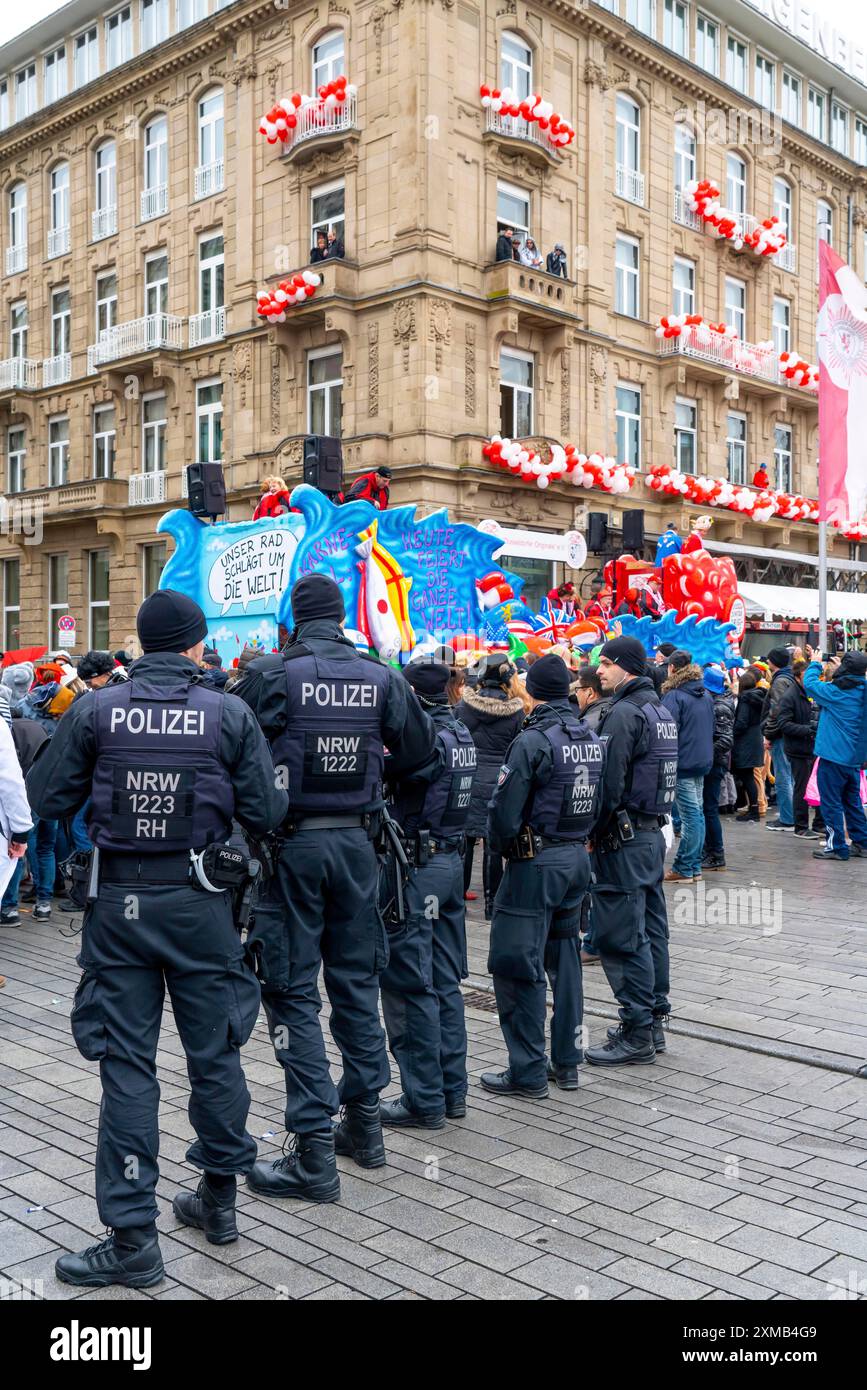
{"x": 720, "y": 1172}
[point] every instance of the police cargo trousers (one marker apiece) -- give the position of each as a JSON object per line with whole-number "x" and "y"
{"x": 534, "y": 934}
{"x": 630, "y": 926}
{"x": 421, "y": 987}
{"x": 138, "y": 941}
{"x": 320, "y": 912}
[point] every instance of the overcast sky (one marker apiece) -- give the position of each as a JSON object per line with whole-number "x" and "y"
{"x": 850, "y": 15}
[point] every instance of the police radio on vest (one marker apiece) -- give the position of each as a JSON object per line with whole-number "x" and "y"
{"x": 183, "y": 722}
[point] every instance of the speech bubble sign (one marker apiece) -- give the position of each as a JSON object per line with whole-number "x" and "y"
{"x": 252, "y": 570}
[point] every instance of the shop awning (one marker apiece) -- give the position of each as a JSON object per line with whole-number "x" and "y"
{"x": 778, "y": 600}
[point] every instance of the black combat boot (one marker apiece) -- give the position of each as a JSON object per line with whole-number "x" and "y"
{"x": 625, "y": 1045}
{"x": 502, "y": 1083}
{"x": 358, "y": 1134}
{"x": 658, "y": 1025}
{"x": 456, "y": 1107}
{"x": 211, "y": 1208}
{"x": 713, "y": 862}
{"x": 566, "y": 1078}
{"x": 398, "y": 1114}
{"x": 308, "y": 1171}
{"x": 130, "y": 1257}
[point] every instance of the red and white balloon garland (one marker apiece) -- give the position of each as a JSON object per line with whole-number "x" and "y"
{"x": 533, "y": 109}
{"x": 799, "y": 372}
{"x": 585, "y": 470}
{"x": 282, "y": 119}
{"x": 272, "y": 304}
{"x": 702, "y": 196}
{"x": 759, "y": 503}
{"x": 792, "y": 367}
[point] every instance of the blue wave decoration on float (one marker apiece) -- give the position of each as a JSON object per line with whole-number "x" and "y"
{"x": 706, "y": 639}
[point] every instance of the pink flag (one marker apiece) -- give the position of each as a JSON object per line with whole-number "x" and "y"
{"x": 841, "y": 340}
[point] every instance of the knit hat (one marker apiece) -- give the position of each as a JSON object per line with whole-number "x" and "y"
{"x": 19, "y": 679}
{"x": 548, "y": 678}
{"x": 428, "y": 679}
{"x": 495, "y": 669}
{"x": 169, "y": 621}
{"x": 210, "y": 657}
{"x": 714, "y": 681}
{"x": 316, "y": 596}
{"x": 779, "y": 656}
{"x": 666, "y": 648}
{"x": 680, "y": 658}
{"x": 627, "y": 653}
{"x": 95, "y": 664}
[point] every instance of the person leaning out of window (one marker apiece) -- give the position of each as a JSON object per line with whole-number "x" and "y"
{"x": 555, "y": 261}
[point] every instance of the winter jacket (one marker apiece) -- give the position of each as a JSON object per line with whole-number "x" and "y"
{"x": 555, "y": 263}
{"x": 658, "y": 673}
{"x": 272, "y": 504}
{"x": 493, "y": 718}
{"x": 723, "y": 728}
{"x": 842, "y": 733}
{"x": 748, "y": 749}
{"x": 594, "y": 712}
{"x": 691, "y": 709}
{"x": 504, "y": 248}
{"x": 367, "y": 489}
{"x": 28, "y": 737}
{"x": 16, "y": 820}
{"x": 794, "y": 722}
{"x": 780, "y": 681}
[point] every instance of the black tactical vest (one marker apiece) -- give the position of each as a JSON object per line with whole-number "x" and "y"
{"x": 654, "y": 776}
{"x": 158, "y": 783}
{"x": 445, "y": 804}
{"x": 331, "y": 753}
{"x": 566, "y": 807}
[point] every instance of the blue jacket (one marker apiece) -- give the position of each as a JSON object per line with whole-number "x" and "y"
{"x": 691, "y": 708}
{"x": 842, "y": 733}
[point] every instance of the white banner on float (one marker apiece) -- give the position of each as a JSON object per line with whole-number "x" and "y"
{"x": 570, "y": 547}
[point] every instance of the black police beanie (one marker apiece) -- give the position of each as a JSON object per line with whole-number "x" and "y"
{"x": 95, "y": 664}
{"x": 316, "y": 596}
{"x": 780, "y": 656}
{"x": 548, "y": 678}
{"x": 169, "y": 621}
{"x": 628, "y": 653}
{"x": 428, "y": 678}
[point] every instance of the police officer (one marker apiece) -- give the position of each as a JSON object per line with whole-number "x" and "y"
{"x": 327, "y": 711}
{"x": 630, "y": 923}
{"x": 167, "y": 764}
{"x": 421, "y": 987}
{"x": 542, "y": 811}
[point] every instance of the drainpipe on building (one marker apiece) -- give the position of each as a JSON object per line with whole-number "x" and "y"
{"x": 849, "y": 231}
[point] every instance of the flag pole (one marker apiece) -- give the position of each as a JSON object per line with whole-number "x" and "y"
{"x": 823, "y": 585}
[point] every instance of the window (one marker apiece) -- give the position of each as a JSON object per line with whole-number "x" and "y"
{"x": 153, "y": 564}
{"x": 782, "y": 325}
{"x": 154, "y": 423}
{"x": 628, "y": 417}
{"x": 106, "y": 301}
{"x": 516, "y": 66}
{"x": 792, "y": 98}
{"x": 118, "y": 38}
{"x": 25, "y": 92}
{"x": 54, "y": 76}
{"x": 18, "y": 218}
{"x": 736, "y": 305}
{"x": 641, "y": 13}
{"x": 154, "y": 22}
{"x": 60, "y": 321}
{"x": 329, "y": 59}
{"x": 156, "y": 154}
{"x": 626, "y": 287}
{"x": 325, "y": 391}
{"x": 18, "y": 329}
{"x": 98, "y": 600}
{"x": 59, "y": 198}
{"x": 211, "y": 272}
{"x": 327, "y": 210}
{"x": 106, "y": 177}
{"x": 190, "y": 12}
{"x": 210, "y": 140}
{"x": 816, "y": 113}
{"x": 783, "y": 204}
{"x": 707, "y": 44}
{"x": 685, "y": 435}
{"x": 766, "y": 82}
{"x": 825, "y": 222}
{"x": 674, "y": 26}
{"x": 4, "y": 104}
{"x": 58, "y": 598}
{"x": 839, "y": 128}
{"x": 58, "y": 450}
{"x": 209, "y": 422}
{"x": 516, "y": 393}
{"x": 11, "y": 604}
{"x": 736, "y": 63}
{"x": 85, "y": 57}
{"x": 736, "y": 448}
{"x": 684, "y": 155}
{"x": 103, "y": 441}
{"x": 736, "y": 185}
{"x": 513, "y": 208}
{"x": 16, "y": 455}
{"x": 156, "y": 299}
{"x": 628, "y": 134}
{"x": 683, "y": 284}
{"x": 859, "y": 152}
{"x": 783, "y": 458}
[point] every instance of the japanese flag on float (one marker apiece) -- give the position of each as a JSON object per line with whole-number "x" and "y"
{"x": 841, "y": 338}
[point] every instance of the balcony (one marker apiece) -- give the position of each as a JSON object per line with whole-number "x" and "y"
{"x": 732, "y": 354}
{"x": 629, "y": 184}
{"x": 135, "y": 338}
{"x": 542, "y": 300}
{"x": 208, "y": 179}
{"x": 103, "y": 223}
{"x": 145, "y": 488}
{"x": 787, "y": 259}
{"x": 58, "y": 242}
{"x": 316, "y": 121}
{"x": 56, "y": 370}
{"x": 16, "y": 259}
{"x": 684, "y": 215}
{"x": 154, "y": 202}
{"x": 207, "y": 327}
{"x": 19, "y": 374}
{"x": 90, "y": 495}
{"x": 532, "y": 139}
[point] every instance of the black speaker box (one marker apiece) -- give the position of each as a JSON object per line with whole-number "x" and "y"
{"x": 206, "y": 486}
{"x": 633, "y": 531}
{"x": 323, "y": 462}
{"x": 597, "y": 531}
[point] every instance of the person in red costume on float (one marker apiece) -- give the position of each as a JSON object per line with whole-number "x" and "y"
{"x": 565, "y": 599}
{"x": 696, "y": 538}
{"x": 598, "y": 605}
{"x": 372, "y": 487}
{"x": 274, "y": 500}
